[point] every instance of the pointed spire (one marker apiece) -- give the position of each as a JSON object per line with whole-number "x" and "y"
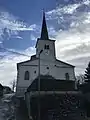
{"x": 44, "y": 31}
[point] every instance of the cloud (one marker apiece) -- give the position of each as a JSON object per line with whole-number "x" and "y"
{"x": 18, "y": 37}
{"x": 87, "y": 2}
{"x": 72, "y": 37}
{"x": 52, "y": 31}
{"x": 70, "y": 14}
{"x": 11, "y": 25}
{"x": 32, "y": 37}
{"x": 8, "y": 68}
{"x": 73, "y": 46}
{"x": 69, "y": 9}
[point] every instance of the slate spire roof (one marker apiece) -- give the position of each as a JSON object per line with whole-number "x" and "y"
{"x": 44, "y": 31}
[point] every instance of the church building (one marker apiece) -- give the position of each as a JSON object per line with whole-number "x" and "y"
{"x": 45, "y": 58}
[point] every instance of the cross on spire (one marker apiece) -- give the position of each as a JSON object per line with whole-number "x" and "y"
{"x": 44, "y": 31}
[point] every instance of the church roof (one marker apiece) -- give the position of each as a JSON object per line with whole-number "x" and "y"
{"x": 65, "y": 63}
{"x": 33, "y": 57}
{"x": 49, "y": 83}
{"x": 44, "y": 31}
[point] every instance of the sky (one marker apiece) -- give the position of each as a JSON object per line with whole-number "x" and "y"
{"x": 68, "y": 22}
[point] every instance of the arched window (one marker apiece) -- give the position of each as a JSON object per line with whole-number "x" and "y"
{"x": 26, "y": 76}
{"x": 67, "y": 76}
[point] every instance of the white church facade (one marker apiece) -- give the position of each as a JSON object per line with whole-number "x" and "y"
{"x": 27, "y": 71}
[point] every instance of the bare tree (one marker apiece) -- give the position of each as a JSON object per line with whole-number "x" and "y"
{"x": 80, "y": 79}
{"x": 13, "y": 85}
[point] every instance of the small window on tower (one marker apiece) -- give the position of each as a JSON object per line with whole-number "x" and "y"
{"x": 46, "y": 47}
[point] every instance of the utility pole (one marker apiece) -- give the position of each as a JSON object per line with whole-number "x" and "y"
{"x": 39, "y": 84}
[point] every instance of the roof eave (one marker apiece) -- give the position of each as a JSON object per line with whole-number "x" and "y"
{"x": 65, "y": 63}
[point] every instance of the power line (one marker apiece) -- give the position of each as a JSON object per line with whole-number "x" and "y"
{"x": 14, "y": 52}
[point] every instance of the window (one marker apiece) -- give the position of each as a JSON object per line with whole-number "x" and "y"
{"x": 26, "y": 76}
{"x": 67, "y": 76}
{"x": 46, "y": 47}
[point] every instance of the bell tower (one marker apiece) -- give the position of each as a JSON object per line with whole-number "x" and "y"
{"x": 45, "y": 44}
